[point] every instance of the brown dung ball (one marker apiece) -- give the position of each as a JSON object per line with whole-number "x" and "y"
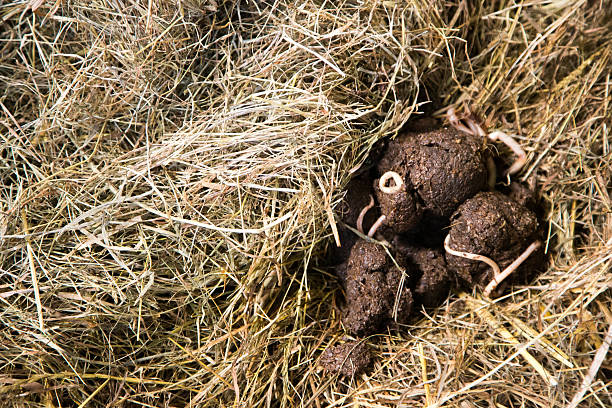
{"x": 400, "y": 208}
{"x": 523, "y": 195}
{"x": 373, "y": 295}
{"x": 493, "y": 225}
{"x": 441, "y": 169}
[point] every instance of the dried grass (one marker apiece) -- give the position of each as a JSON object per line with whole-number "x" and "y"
{"x": 169, "y": 178}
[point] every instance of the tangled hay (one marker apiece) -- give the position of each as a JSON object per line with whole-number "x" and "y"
{"x": 170, "y": 174}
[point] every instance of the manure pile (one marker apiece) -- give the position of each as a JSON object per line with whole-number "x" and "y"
{"x": 174, "y": 180}
{"x": 438, "y": 177}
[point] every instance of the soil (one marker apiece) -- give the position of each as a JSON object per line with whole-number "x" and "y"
{"x": 493, "y": 225}
{"x": 372, "y": 287}
{"x": 430, "y": 232}
{"x": 441, "y": 168}
{"x": 347, "y": 359}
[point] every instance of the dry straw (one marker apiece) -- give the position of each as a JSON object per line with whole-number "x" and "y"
{"x": 170, "y": 177}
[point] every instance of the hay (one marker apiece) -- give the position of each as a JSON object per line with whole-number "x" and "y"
{"x": 170, "y": 174}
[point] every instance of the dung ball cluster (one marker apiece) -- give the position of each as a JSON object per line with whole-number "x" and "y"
{"x": 440, "y": 191}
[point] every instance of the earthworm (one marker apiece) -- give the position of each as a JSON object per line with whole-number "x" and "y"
{"x": 498, "y": 277}
{"x": 454, "y": 120}
{"x": 376, "y": 225}
{"x": 397, "y": 179}
{"x": 476, "y": 130}
{"x": 362, "y": 214}
{"x": 509, "y": 141}
{"x": 474, "y": 257}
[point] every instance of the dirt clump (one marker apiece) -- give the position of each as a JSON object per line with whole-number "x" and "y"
{"x": 493, "y": 225}
{"x": 373, "y": 292}
{"x": 432, "y": 187}
{"x": 347, "y": 359}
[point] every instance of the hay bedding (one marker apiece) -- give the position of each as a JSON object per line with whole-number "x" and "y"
{"x": 171, "y": 170}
